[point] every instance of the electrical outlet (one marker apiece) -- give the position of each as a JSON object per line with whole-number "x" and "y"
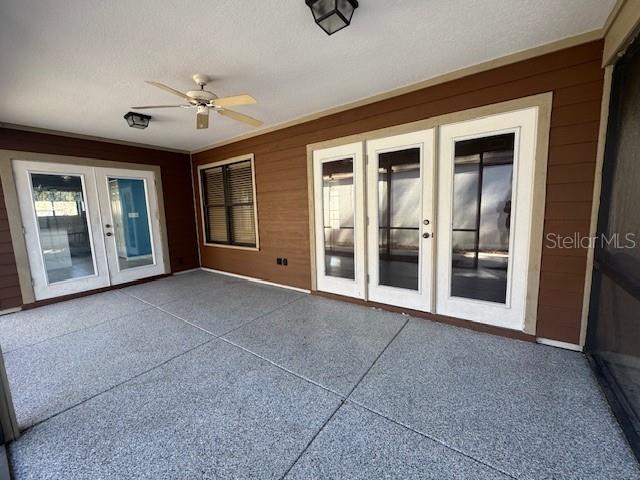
{"x": 284, "y": 262}
{"x": 279, "y": 261}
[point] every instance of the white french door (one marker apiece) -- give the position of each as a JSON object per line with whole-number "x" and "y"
{"x": 86, "y": 227}
{"x": 458, "y": 243}
{"x": 340, "y": 219}
{"x": 373, "y": 224}
{"x": 62, "y": 228}
{"x": 129, "y": 210}
{"x": 400, "y": 215}
{"x": 485, "y": 204}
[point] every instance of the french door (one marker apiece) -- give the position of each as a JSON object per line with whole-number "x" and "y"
{"x": 457, "y": 242}
{"x": 400, "y": 216}
{"x": 396, "y": 267}
{"x": 485, "y": 204}
{"x": 129, "y": 211}
{"x": 340, "y": 219}
{"x": 86, "y": 227}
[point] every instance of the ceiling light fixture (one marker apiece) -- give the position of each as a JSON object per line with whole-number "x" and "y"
{"x": 332, "y": 15}
{"x": 137, "y": 120}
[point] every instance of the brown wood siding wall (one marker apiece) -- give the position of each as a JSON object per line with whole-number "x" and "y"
{"x": 176, "y": 185}
{"x": 573, "y": 75}
{"x": 10, "y": 296}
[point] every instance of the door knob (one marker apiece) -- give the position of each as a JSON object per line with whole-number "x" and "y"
{"x": 426, "y": 222}
{"x": 109, "y": 234}
{"x": 107, "y": 225}
{"x": 425, "y": 235}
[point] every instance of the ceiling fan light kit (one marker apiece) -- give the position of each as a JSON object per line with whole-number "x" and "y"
{"x": 203, "y": 101}
{"x": 137, "y": 120}
{"x": 332, "y": 15}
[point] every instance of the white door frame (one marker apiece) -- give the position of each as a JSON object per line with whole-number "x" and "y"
{"x": 542, "y": 103}
{"x": 98, "y": 211}
{"x": 42, "y": 288}
{"x": 511, "y": 314}
{"x": 341, "y": 286}
{"x": 158, "y": 266}
{"x": 420, "y": 299}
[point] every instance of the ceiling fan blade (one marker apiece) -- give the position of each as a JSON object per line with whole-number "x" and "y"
{"x": 232, "y": 101}
{"x": 169, "y": 89}
{"x": 158, "y": 106}
{"x": 241, "y": 117}
{"x": 202, "y": 121}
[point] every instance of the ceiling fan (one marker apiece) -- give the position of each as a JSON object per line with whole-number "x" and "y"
{"x": 203, "y": 101}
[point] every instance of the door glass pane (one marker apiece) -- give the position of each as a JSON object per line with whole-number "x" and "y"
{"x": 399, "y": 211}
{"x": 338, "y": 218}
{"x": 481, "y": 227}
{"x": 61, "y": 214}
{"x": 130, "y": 222}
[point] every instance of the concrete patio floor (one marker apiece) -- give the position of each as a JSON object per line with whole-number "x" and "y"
{"x": 207, "y": 376}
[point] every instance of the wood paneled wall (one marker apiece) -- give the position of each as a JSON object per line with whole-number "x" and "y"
{"x": 575, "y": 77}
{"x": 176, "y": 185}
{"x": 10, "y": 295}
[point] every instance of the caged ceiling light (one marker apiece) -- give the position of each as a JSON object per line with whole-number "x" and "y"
{"x": 137, "y": 120}
{"x": 332, "y": 15}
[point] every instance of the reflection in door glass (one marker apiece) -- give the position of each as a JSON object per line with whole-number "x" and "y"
{"x": 399, "y": 209}
{"x": 62, "y": 226}
{"x": 481, "y": 227}
{"x": 130, "y": 222}
{"x": 338, "y": 218}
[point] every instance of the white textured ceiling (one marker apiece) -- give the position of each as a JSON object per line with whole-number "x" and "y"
{"x": 78, "y": 65}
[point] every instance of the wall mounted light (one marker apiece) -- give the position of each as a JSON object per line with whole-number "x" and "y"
{"x": 332, "y": 15}
{"x": 137, "y": 120}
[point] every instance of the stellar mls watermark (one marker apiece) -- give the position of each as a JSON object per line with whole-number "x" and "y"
{"x": 579, "y": 240}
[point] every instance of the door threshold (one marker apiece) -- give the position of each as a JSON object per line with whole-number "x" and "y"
{"x": 63, "y": 298}
{"x": 456, "y": 322}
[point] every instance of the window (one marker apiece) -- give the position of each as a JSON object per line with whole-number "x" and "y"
{"x": 228, "y": 203}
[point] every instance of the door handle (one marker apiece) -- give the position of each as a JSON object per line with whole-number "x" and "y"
{"x": 425, "y": 235}
{"x": 108, "y": 234}
{"x": 107, "y": 225}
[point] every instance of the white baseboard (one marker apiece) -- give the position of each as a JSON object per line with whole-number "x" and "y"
{"x": 187, "y": 271}
{"x": 256, "y": 280}
{"x": 558, "y": 344}
{"x": 10, "y": 310}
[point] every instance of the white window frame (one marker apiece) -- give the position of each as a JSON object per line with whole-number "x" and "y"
{"x": 240, "y": 158}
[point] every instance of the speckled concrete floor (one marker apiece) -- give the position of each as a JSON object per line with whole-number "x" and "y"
{"x": 207, "y": 376}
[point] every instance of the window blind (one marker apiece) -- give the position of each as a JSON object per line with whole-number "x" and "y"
{"x": 228, "y": 204}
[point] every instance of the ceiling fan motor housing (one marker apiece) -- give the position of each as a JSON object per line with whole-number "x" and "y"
{"x": 201, "y": 96}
